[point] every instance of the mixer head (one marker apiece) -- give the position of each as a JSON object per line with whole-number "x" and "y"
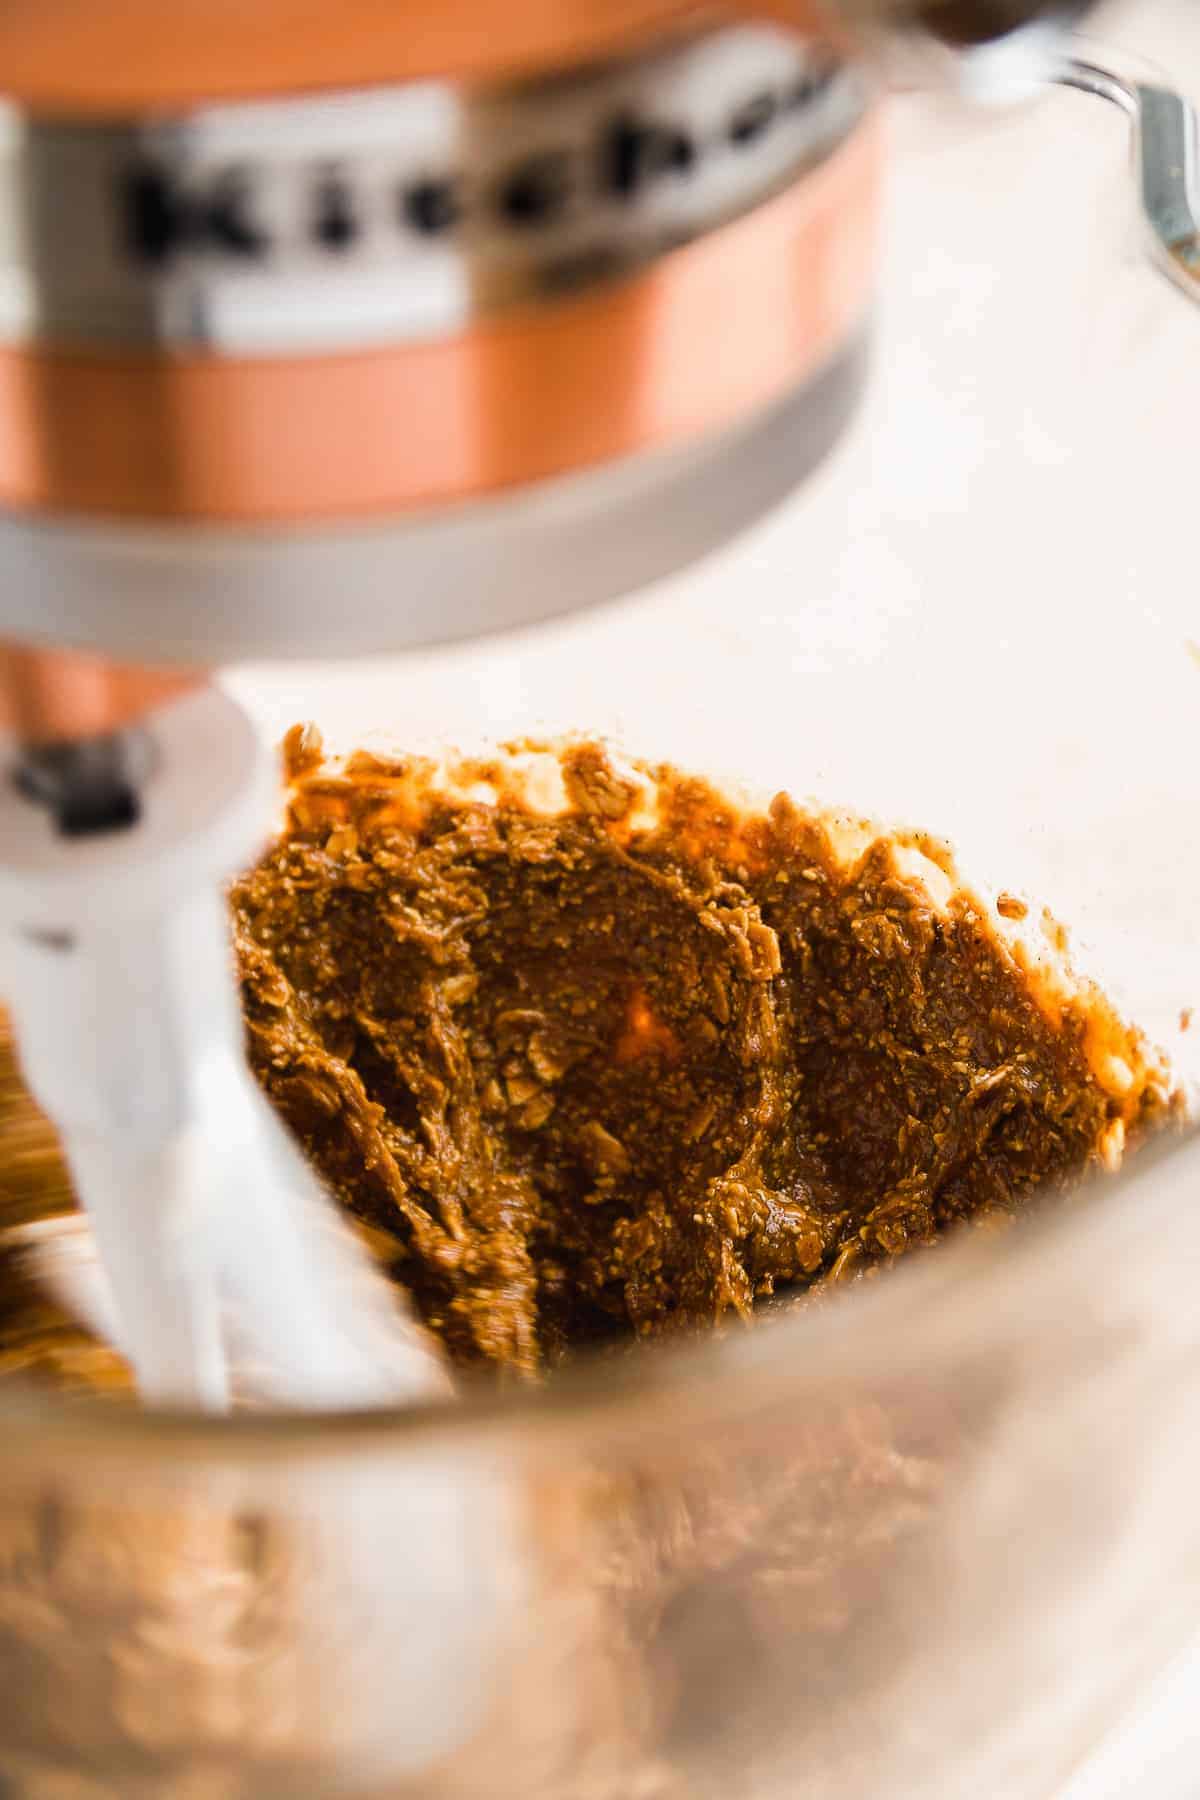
{"x": 323, "y": 337}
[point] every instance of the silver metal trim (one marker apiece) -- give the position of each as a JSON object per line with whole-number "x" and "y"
{"x": 217, "y": 595}
{"x": 339, "y": 222}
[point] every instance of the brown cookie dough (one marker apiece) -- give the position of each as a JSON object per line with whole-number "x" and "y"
{"x": 602, "y": 1053}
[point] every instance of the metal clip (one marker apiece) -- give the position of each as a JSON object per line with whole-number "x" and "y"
{"x": 1164, "y": 150}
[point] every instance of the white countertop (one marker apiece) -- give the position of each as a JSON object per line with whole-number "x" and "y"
{"x": 995, "y": 572}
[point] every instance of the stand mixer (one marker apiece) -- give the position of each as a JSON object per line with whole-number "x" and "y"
{"x": 339, "y": 331}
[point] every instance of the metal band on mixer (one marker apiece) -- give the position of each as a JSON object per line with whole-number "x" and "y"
{"x": 353, "y": 220}
{"x": 362, "y": 303}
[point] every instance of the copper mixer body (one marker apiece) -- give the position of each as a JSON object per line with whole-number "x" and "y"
{"x": 67, "y": 56}
{"x": 388, "y": 287}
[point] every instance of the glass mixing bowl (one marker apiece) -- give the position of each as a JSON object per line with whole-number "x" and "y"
{"x": 931, "y": 1539}
{"x": 933, "y": 1536}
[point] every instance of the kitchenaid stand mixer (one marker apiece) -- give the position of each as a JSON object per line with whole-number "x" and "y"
{"x": 446, "y": 334}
